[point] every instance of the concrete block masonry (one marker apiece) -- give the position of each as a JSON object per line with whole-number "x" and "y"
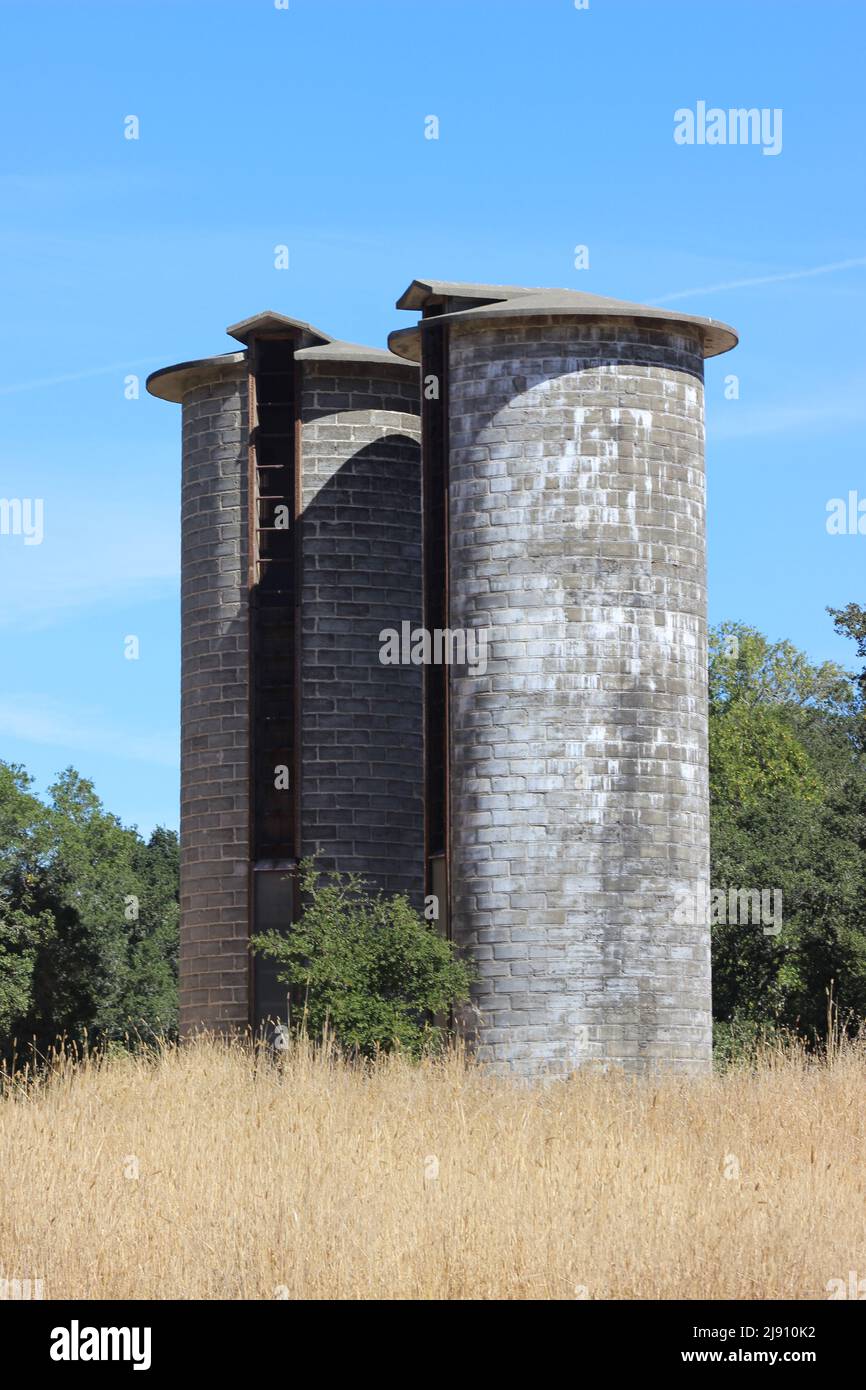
{"x": 214, "y": 814}
{"x": 579, "y": 759}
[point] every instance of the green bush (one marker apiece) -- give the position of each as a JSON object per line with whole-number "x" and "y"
{"x": 368, "y": 969}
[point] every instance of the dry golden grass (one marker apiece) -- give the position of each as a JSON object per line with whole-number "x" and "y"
{"x": 325, "y": 1180}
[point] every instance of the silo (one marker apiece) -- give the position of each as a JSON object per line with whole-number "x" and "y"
{"x": 566, "y": 775}
{"x": 300, "y": 542}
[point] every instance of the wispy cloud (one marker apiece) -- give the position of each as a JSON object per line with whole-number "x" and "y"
{"x": 856, "y": 264}
{"x": 40, "y": 719}
{"x": 785, "y": 419}
{"x": 84, "y": 183}
{"x": 40, "y": 382}
{"x": 817, "y": 407}
{"x": 36, "y": 606}
{"x": 102, "y": 551}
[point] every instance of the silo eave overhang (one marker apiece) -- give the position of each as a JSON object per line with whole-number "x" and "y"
{"x": 172, "y": 383}
{"x": 717, "y": 337}
{"x": 406, "y": 342}
{"x": 337, "y": 351}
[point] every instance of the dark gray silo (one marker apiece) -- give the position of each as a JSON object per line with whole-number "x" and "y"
{"x": 567, "y": 808}
{"x": 300, "y": 542}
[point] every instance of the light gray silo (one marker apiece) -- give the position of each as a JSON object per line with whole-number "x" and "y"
{"x": 566, "y": 782}
{"x": 300, "y": 542}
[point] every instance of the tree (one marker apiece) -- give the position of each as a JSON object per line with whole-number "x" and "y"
{"x": 788, "y": 811}
{"x": 149, "y": 994}
{"x": 88, "y": 916}
{"x": 367, "y": 967}
{"x": 851, "y": 622}
{"x": 24, "y": 928}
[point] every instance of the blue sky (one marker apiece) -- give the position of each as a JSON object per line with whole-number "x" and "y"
{"x": 305, "y": 127}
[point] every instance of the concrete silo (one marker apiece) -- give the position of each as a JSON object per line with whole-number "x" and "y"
{"x": 566, "y": 785}
{"x": 300, "y": 541}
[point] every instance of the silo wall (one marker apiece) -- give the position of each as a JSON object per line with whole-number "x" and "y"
{"x": 361, "y": 731}
{"x": 214, "y": 860}
{"x": 578, "y": 759}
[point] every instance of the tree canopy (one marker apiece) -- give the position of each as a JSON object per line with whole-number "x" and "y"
{"x": 88, "y": 915}
{"x": 788, "y": 812}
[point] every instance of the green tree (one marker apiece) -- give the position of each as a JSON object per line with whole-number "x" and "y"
{"x": 88, "y": 916}
{"x": 851, "y": 622}
{"x": 788, "y": 811}
{"x": 367, "y": 967}
{"x": 149, "y": 994}
{"x": 24, "y": 928}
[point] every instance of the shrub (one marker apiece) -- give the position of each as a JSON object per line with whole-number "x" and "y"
{"x": 367, "y": 968}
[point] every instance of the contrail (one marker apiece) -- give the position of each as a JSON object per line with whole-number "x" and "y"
{"x": 765, "y": 280}
{"x": 75, "y": 376}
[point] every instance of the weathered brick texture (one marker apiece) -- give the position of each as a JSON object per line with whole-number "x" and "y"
{"x": 361, "y": 733}
{"x": 579, "y": 760}
{"x": 214, "y": 959}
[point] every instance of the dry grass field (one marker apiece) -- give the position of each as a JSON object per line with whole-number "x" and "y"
{"x": 195, "y": 1173}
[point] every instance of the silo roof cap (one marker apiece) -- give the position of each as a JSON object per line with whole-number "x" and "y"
{"x": 508, "y": 301}
{"x": 270, "y": 322}
{"x": 421, "y": 292}
{"x": 172, "y": 383}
